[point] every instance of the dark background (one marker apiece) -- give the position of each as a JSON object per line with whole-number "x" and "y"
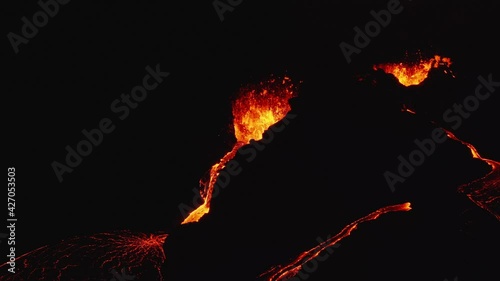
{"x": 323, "y": 172}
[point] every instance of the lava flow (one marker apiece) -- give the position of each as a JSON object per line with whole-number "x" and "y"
{"x": 413, "y": 73}
{"x": 254, "y": 111}
{"x": 484, "y": 192}
{"x": 100, "y": 257}
{"x": 284, "y": 272}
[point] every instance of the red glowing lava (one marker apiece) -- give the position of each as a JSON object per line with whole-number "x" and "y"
{"x": 285, "y": 272}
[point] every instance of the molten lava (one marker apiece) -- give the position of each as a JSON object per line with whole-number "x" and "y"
{"x": 413, "y": 73}
{"x": 256, "y": 108}
{"x": 285, "y": 272}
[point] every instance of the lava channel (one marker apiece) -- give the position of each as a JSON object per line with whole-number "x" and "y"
{"x": 284, "y": 272}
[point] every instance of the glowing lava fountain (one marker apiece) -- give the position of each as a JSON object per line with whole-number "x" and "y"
{"x": 413, "y": 73}
{"x": 256, "y": 108}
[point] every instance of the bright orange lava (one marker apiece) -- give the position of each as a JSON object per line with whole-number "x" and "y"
{"x": 290, "y": 270}
{"x": 413, "y": 73}
{"x": 256, "y": 108}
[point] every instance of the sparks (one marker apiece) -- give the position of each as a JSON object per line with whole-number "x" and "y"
{"x": 414, "y": 73}
{"x": 256, "y": 108}
{"x": 285, "y": 272}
